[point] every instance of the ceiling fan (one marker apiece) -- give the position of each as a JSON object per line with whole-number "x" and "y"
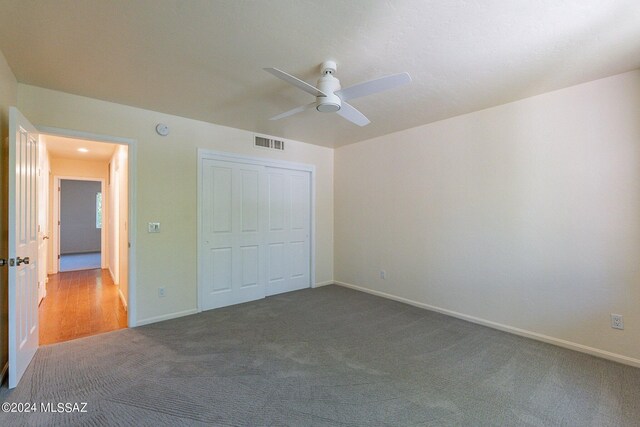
{"x": 331, "y": 98}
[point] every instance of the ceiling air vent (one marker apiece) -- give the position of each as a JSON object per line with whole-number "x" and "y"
{"x": 269, "y": 143}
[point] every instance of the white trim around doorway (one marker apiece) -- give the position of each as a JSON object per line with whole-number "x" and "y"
{"x": 57, "y": 220}
{"x": 132, "y": 174}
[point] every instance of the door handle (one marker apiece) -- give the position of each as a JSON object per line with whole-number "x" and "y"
{"x": 45, "y": 237}
{"x": 24, "y": 260}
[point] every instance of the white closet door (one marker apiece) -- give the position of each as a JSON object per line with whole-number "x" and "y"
{"x": 288, "y": 230}
{"x": 233, "y": 221}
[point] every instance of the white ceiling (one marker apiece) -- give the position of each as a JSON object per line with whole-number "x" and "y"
{"x": 203, "y": 59}
{"x": 67, "y": 148}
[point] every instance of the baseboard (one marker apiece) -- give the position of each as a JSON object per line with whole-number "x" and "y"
{"x": 505, "y": 328}
{"x": 123, "y": 299}
{"x": 3, "y": 374}
{"x": 169, "y": 316}
{"x": 319, "y": 284}
{"x": 113, "y": 276}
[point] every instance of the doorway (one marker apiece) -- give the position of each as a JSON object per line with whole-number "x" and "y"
{"x": 87, "y": 281}
{"x": 80, "y": 224}
{"x": 30, "y": 229}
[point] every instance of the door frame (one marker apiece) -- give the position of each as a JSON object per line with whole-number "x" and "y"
{"x": 132, "y": 154}
{"x": 44, "y": 182}
{"x": 206, "y": 154}
{"x": 57, "y": 220}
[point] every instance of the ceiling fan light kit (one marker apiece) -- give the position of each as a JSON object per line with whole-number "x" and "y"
{"x": 331, "y": 98}
{"x": 329, "y": 85}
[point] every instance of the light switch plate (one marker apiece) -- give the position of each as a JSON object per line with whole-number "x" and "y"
{"x": 154, "y": 227}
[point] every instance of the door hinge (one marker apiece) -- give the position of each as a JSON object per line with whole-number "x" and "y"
{"x": 58, "y": 256}
{"x": 3, "y": 262}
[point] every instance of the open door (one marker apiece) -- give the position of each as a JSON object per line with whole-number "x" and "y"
{"x": 23, "y": 244}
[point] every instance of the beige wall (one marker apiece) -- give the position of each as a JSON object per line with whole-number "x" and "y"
{"x": 98, "y": 169}
{"x": 8, "y": 97}
{"x": 166, "y": 187}
{"x": 123, "y": 210}
{"x": 118, "y": 261}
{"x": 526, "y": 214}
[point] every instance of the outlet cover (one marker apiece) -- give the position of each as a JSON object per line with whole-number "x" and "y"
{"x": 154, "y": 227}
{"x": 617, "y": 322}
{"x": 161, "y": 292}
{"x": 383, "y": 274}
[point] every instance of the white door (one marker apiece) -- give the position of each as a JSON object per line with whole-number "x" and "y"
{"x": 231, "y": 258}
{"x": 288, "y": 230}
{"x": 23, "y": 245}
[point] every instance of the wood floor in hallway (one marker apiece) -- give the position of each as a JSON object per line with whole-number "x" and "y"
{"x": 79, "y": 304}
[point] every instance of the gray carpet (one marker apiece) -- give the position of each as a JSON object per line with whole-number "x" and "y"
{"x": 324, "y": 357}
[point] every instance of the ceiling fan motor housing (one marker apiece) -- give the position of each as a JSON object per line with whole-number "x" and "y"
{"x": 329, "y": 94}
{"x": 330, "y": 103}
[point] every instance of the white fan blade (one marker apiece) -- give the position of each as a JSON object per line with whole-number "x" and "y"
{"x": 295, "y": 81}
{"x": 292, "y": 112}
{"x": 374, "y": 86}
{"x": 350, "y": 113}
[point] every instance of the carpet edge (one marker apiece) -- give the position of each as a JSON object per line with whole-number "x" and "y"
{"x": 604, "y": 354}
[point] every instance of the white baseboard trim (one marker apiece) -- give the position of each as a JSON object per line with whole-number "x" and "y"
{"x": 169, "y": 316}
{"x": 113, "y": 276}
{"x": 505, "y": 328}
{"x": 319, "y": 284}
{"x": 123, "y": 299}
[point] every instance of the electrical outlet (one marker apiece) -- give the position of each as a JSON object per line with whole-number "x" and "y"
{"x": 383, "y": 274}
{"x": 617, "y": 322}
{"x": 161, "y": 292}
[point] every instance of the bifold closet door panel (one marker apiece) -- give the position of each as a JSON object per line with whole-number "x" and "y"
{"x": 288, "y": 230}
{"x": 233, "y": 222}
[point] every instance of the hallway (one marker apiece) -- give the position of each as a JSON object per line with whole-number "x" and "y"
{"x": 80, "y": 304}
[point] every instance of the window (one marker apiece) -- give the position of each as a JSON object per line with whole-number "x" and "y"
{"x": 98, "y": 210}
